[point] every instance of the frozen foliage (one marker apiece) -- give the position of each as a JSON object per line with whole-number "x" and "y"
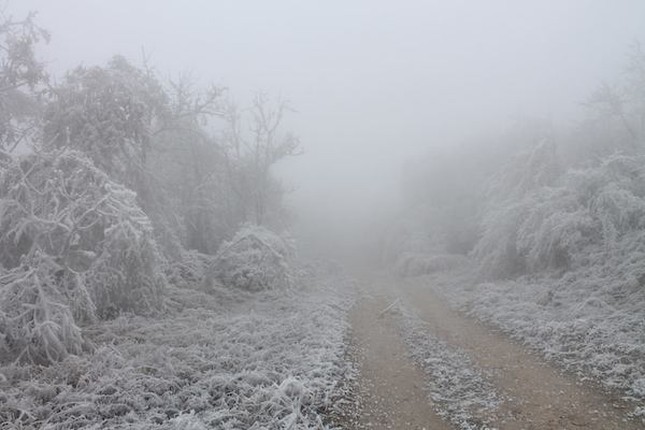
{"x": 444, "y": 192}
{"x": 590, "y": 212}
{"x": 107, "y": 113}
{"x": 224, "y": 360}
{"x": 617, "y": 110}
{"x": 576, "y": 250}
{"x": 412, "y": 264}
{"x": 117, "y": 168}
{"x": 21, "y": 76}
{"x": 582, "y": 240}
{"x": 542, "y": 231}
{"x": 255, "y": 259}
{"x": 185, "y": 151}
{"x": 512, "y": 196}
{"x": 73, "y": 246}
{"x": 531, "y": 169}
{"x": 459, "y": 390}
{"x": 589, "y": 321}
{"x": 36, "y": 324}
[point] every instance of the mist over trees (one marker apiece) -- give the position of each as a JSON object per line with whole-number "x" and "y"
{"x": 540, "y": 231}
{"x": 156, "y": 273}
{"x": 113, "y": 180}
{"x": 536, "y": 199}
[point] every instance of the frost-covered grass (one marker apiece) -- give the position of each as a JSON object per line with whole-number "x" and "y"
{"x": 589, "y": 321}
{"x": 224, "y": 360}
{"x": 459, "y": 390}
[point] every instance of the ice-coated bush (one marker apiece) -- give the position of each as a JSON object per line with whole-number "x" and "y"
{"x": 36, "y": 324}
{"x": 255, "y": 259}
{"x": 544, "y": 230}
{"x": 558, "y": 227}
{"x": 74, "y": 246}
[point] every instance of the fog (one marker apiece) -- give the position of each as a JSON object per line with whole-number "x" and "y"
{"x": 353, "y": 214}
{"x": 372, "y": 83}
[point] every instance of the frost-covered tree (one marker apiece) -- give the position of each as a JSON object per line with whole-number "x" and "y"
{"x": 445, "y": 192}
{"x": 615, "y": 120}
{"x": 126, "y": 181}
{"x": 197, "y": 186}
{"x": 529, "y": 170}
{"x": 110, "y": 114}
{"x": 150, "y": 137}
{"x": 548, "y": 209}
{"x": 251, "y": 156}
{"x": 21, "y": 81}
{"x": 74, "y": 246}
{"x": 188, "y": 166}
{"x": 589, "y": 214}
{"x": 511, "y": 196}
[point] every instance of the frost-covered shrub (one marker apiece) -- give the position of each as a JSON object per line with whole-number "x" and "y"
{"x": 496, "y": 252}
{"x": 554, "y": 230}
{"x": 71, "y": 241}
{"x": 530, "y": 170}
{"x": 589, "y": 229}
{"x": 36, "y": 324}
{"x": 255, "y": 259}
{"x": 544, "y": 230}
{"x": 557, "y": 227}
{"x": 412, "y": 264}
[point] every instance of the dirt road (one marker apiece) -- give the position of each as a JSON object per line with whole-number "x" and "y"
{"x": 392, "y": 388}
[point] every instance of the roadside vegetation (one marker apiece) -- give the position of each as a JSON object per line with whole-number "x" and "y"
{"x": 540, "y": 232}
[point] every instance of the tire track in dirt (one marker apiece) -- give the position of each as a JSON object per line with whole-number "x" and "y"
{"x": 390, "y": 388}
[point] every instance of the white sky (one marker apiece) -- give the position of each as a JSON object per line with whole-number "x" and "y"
{"x": 374, "y": 82}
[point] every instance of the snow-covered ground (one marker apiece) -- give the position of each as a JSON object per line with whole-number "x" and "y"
{"x": 226, "y": 360}
{"x": 458, "y": 389}
{"x": 590, "y": 322}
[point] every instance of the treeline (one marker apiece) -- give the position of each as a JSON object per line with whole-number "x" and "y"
{"x": 536, "y": 199}
{"x": 113, "y": 180}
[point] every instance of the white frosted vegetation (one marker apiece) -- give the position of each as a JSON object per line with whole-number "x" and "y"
{"x": 255, "y": 259}
{"x": 589, "y": 321}
{"x": 564, "y": 260}
{"x": 581, "y": 245}
{"x": 227, "y": 360}
{"x": 74, "y": 246}
{"x": 560, "y": 227}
